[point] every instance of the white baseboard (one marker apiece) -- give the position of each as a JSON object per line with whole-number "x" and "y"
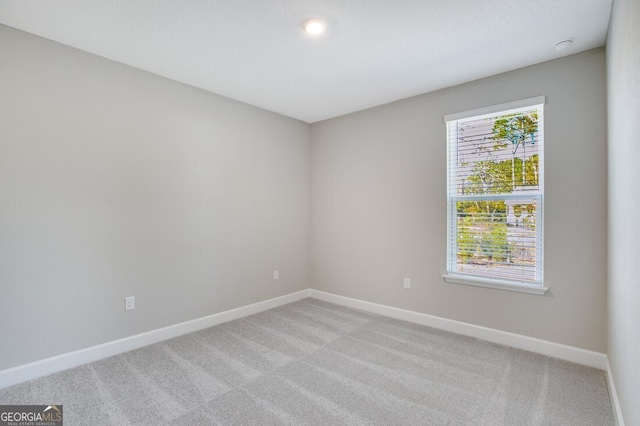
{"x": 62, "y": 362}
{"x": 531, "y": 344}
{"x": 44, "y": 367}
{"x": 613, "y": 395}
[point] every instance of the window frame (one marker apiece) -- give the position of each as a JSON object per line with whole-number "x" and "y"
{"x": 453, "y": 275}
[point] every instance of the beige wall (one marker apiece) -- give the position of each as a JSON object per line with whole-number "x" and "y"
{"x": 623, "y": 71}
{"x": 378, "y": 191}
{"x": 115, "y": 182}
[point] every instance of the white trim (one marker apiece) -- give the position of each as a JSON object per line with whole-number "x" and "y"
{"x": 457, "y": 175}
{"x": 613, "y": 395}
{"x": 523, "y": 103}
{"x": 62, "y": 362}
{"x": 531, "y": 344}
{"x": 495, "y": 284}
{"x": 34, "y": 370}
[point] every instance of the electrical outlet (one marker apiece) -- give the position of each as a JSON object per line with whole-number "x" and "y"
{"x": 407, "y": 283}
{"x": 276, "y": 274}
{"x": 129, "y": 303}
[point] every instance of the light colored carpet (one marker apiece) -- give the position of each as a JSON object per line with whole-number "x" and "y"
{"x": 317, "y": 363}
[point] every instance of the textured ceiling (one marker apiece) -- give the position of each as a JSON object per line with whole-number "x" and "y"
{"x": 374, "y": 51}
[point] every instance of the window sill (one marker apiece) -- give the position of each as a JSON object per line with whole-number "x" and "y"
{"x": 496, "y": 284}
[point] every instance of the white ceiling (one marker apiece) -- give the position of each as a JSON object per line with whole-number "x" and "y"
{"x": 374, "y": 51}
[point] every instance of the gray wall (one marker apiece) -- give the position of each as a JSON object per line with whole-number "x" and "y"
{"x": 623, "y": 70}
{"x": 379, "y": 204}
{"x": 115, "y": 182}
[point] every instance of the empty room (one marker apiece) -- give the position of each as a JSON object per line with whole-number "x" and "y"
{"x": 319, "y": 212}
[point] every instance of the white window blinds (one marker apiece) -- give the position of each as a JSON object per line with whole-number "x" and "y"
{"x": 495, "y": 176}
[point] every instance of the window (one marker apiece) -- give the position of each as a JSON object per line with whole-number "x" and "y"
{"x": 495, "y": 178}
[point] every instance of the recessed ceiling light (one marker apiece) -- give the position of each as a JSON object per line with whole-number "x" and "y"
{"x": 314, "y": 26}
{"x": 564, "y": 44}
